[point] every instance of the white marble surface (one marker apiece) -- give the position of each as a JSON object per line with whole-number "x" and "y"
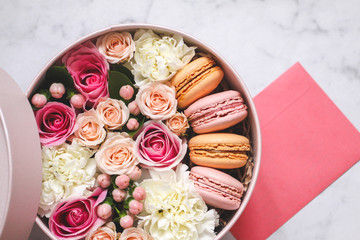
{"x": 261, "y": 39}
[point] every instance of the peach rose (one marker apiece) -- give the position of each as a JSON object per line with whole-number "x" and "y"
{"x": 91, "y": 130}
{"x": 177, "y": 123}
{"x": 115, "y": 155}
{"x": 116, "y": 47}
{"x": 135, "y": 234}
{"x": 107, "y": 232}
{"x": 113, "y": 113}
{"x": 157, "y": 101}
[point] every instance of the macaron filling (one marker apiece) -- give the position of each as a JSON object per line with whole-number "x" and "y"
{"x": 219, "y": 154}
{"x": 214, "y": 111}
{"x": 217, "y": 187}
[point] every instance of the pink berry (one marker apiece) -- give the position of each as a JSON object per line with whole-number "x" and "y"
{"x": 132, "y": 124}
{"x": 134, "y": 108}
{"x": 38, "y": 100}
{"x": 77, "y": 100}
{"x": 139, "y": 193}
{"x": 57, "y": 90}
{"x": 126, "y": 221}
{"x": 135, "y": 174}
{"x": 126, "y": 92}
{"x": 118, "y": 195}
{"x": 104, "y": 180}
{"x": 104, "y": 211}
{"x": 135, "y": 207}
{"x": 122, "y": 181}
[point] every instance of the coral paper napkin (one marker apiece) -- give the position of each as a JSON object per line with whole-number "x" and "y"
{"x": 307, "y": 143}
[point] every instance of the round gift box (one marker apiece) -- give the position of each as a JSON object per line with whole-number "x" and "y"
{"x": 230, "y": 75}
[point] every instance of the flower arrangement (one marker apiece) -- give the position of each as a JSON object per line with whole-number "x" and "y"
{"x": 115, "y": 142}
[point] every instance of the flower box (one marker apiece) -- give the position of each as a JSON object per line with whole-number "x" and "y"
{"x": 250, "y": 126}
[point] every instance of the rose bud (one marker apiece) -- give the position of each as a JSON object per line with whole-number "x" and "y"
{"x": 57, "y": 90}
{"x": 132, "y": 124}
{"x": 139, "y": 193}
{"x": 122, "y": 181}
{"x": 38, "y": 100}
{"x": 77, "y": 100}
{"x": 126, "y": 221}
{"x": 135, "y": 174}
{"x": 134, "y": 108}
{"x": 104, "y": 180}
{"x": 104, "y": 211}
{"x": 126, "y": 92}
{"x": 135, "y": 207}
{"x": 118, "y": 195}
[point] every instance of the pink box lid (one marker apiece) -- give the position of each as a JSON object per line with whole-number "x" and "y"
{"x": 20, "y": 162}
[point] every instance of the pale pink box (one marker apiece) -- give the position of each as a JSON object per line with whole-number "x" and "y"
{"x": 20, "y": 162}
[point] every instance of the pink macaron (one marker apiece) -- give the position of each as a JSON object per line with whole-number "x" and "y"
{"x": 216, "y": 112}
{"x": 217, "y": 188}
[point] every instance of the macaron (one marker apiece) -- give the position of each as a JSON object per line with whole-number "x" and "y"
{"x": 216, "y": 112}
{"x": 197, "y": 79}
{"x": 219, "y": 150}
{"x": 217, "y": 188}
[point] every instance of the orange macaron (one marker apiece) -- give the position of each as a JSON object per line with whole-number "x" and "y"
{"x": 197, "y": 79}
{"x": 219, "y": 150}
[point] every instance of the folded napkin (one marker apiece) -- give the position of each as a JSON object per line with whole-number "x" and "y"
{"x": 307, "y": 143}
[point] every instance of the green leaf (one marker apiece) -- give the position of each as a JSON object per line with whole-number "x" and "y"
{"x": 113, "y": 178}
{"x": 123, "y": 70}
{"x": 127, "y": 201}
{"x": 109, "y": 201}
{"x": 132, "y": 187}
{"x": 59, "y": 74}
{"x": 115, "y": 82}
{"x": 117, "y": 210}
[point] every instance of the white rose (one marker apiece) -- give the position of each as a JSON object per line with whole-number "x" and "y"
{"x": 156, "y": 101}
{"x": 159, "y": 58}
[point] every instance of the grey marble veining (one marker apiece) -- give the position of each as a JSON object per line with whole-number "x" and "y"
{"x": 260, "y": 38}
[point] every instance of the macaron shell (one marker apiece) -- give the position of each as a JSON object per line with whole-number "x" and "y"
{"x": 200, "y": 87}
{"x": 217, "y": 188}
{"x": 221, "y": 123}
{"x": 211, "y": 99}
{"x": 219, "y": 150}
{"x": 190, "y": 71}
{"x": 218, "y": 139}
{"x": 219, "y": 162}
{"x": 216, "y": 198}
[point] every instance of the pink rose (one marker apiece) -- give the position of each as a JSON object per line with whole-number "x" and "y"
{"x": 116, "y": 155}
{"x": 89, "y": 70}
{"x": 157, "y": 101}
{"x": 91, "y": 131}
{"x": 135, "y": 234}
{"x": 56, "y": 122}
{"x": 116, "y": 47}
{"x": 158, "y": 147}
{"x": 107, "y": 232}
{"x": 177, "y": 123}
{"x": 75, "y": 218}
{"x": 113, "y": 113}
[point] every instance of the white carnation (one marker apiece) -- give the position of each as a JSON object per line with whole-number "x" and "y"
{"x": 68, "y": 170}
{"x": 159, "y": 58}
{"x": 173, "y": 209}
